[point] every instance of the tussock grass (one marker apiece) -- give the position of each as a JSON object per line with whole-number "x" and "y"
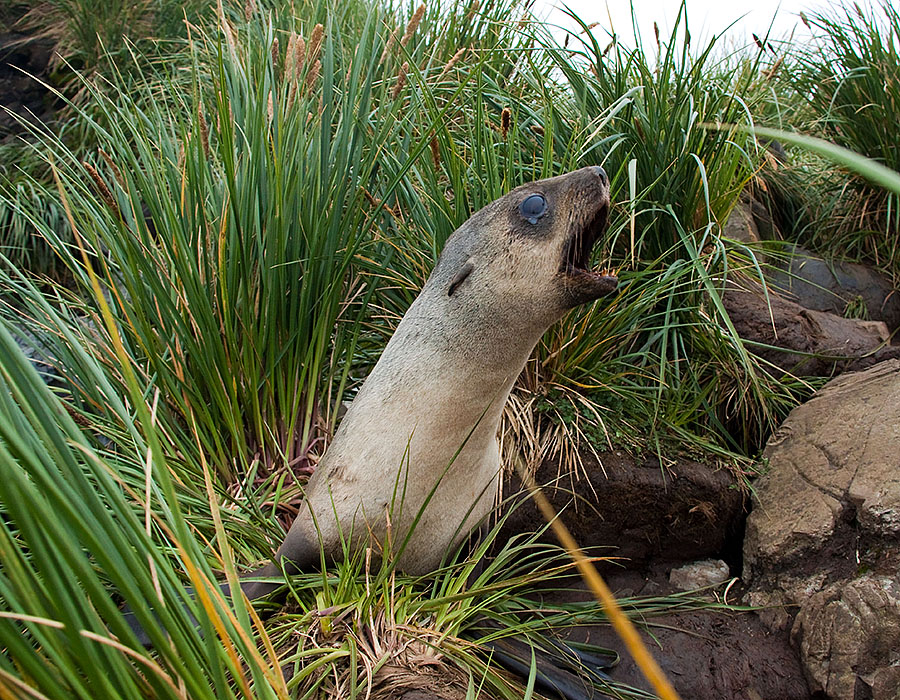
{"x": 240, "y": 230}
{"x": 848, "y": 80}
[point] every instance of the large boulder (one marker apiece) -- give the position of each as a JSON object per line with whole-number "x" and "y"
{"x": 824, "y": 534}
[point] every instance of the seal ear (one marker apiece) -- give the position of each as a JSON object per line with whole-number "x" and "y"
{"x": 460, "y": 277}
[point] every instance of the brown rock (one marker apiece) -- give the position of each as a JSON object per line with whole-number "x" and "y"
{"x": 800, "y": 340}
{"x": 826, "y": 510}
{"x": 741, "y": 224}
{"x": 849, "y": 638}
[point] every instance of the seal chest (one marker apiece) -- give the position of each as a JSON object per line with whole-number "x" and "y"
{"x": 423, "y": 427}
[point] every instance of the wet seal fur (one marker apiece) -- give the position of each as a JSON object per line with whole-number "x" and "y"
{"x": 431, "y": 407}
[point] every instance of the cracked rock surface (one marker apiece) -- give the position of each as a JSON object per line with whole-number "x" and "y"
{"x": 824, "y": 535}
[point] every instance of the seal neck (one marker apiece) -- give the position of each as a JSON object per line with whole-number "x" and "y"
{"x": 448, "y": 361}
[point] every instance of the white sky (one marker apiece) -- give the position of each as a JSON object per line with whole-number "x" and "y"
{"x": 705, "y": 17}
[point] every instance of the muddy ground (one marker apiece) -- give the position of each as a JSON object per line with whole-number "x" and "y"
{"x": 650, "y": 518}
{"x": 705, "y": 654}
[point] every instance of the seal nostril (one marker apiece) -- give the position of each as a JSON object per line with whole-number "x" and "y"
{"x": 601, "y": 173}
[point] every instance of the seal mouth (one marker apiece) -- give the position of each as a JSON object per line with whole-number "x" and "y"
{"x": 576, "y": 259}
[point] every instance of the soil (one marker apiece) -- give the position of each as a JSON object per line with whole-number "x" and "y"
{"x": 22, "y": 59}
{"x": 653, "y": 518}
{"x": 639, "y": 510}
{"x": 707, "y": 655}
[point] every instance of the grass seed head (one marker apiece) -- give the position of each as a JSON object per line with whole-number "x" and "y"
{"x": 435, "y": 152}
{"x": 275, "y": 53}
{"x": 112, "y": 166}
{"x": 291, "y": 48}
{"x": 452, "y": 62}
{"x": 313, "y": 75}
{"x": 102, "y": 188}
{"x": 298, "y": 59}
{"x": 388, "y": 46}
{"x": 315, "y": 44}
{"x": 413, "y": 25}
{"x": 401, "y": 81}
{"x": 505, "y": 121}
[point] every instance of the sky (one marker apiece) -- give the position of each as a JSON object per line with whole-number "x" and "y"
{"x": 705, "y": 17}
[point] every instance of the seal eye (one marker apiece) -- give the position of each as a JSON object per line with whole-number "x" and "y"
{"x": 533, "y": 207}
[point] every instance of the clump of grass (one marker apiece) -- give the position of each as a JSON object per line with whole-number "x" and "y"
{"x": 848, "y": 78}
{"x": 225, "y": 236}
{"x": 72, "y": 546}
{"x": 666, "y": 343}
{"x": 92, "y": 37}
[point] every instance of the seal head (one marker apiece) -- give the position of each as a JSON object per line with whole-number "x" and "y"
{"x": 530, "y": 249}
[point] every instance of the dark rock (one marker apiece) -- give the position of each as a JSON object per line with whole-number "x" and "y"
{"x": 639, "y": 509}
{"x": 832, "y": 286}
{"x": 765, "y": 222}
{"x": 800, "y": 340}
{"x": 22, "y": 57}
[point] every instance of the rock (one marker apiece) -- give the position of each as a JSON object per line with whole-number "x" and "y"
{"x": 833, "y": 286}
{"x": 638, "y": 509}
{"x": 800, "y": 340}
{"x": 849, "y": 638}
{"x": 741, "y": 224}
{"x": 823, "y": 536}
{"x": 765, "y": 223}
{"x": 699, "y": 574}
{"x": 38, "y": 354}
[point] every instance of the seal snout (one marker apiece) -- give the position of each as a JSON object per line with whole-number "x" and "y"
{"x": 601, "y": 173}
{"x": 582, "y": 283}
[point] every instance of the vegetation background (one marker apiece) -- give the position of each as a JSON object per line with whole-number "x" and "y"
{"x": 205, "y": 251}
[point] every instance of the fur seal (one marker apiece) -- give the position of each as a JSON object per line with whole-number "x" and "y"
{"x": 417, "y": 452}
{"x": 423, "y": 427}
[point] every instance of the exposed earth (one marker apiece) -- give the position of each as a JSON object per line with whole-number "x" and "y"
{"x": 651, "y": 519}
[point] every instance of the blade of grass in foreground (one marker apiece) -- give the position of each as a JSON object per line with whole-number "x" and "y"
{"x": 868, "y": 168}
{"x": 69, "y": 538}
